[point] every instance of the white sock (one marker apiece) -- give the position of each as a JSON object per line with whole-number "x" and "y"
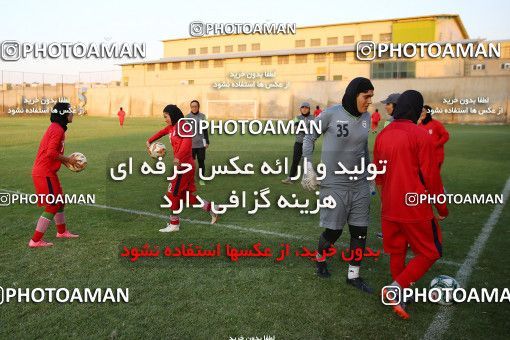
{"x": 353, "y": 272}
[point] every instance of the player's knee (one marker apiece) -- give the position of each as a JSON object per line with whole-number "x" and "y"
{"x": 332, "y": 235}
{"x": 52, "y": 209}
{"x": 358, "y": 232}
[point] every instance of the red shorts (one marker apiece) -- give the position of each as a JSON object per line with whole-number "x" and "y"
{"x": 47, "y": 186}
{"x": 179, "y": 186}
{"x": 182, "y": 183}
{"x": 423, "y": 237}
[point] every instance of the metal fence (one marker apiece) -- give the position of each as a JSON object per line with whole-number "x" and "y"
{"x": 28, "y": 93}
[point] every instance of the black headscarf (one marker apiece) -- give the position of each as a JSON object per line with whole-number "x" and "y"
{"x": 409, "y": 106}
{"x": 428, "y": 116}
{"x": 174, "y": 112}
{"x": 59, "y": 114}
{"x": 355, "y": 87}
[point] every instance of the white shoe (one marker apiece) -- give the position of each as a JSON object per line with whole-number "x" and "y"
{"x": 169, "y": 228}
{"x": 214, "y": 217}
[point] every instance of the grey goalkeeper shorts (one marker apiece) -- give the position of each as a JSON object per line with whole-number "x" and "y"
{"x": 352, "y": 206}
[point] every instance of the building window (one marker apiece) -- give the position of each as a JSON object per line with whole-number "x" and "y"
{"x": 176, "y": 66}
{"x": 255, "y": 47}
{"x": 319, "y": 58}
{"x": 333, "y": 41}
{"x": 204, "y": 63}
{"x": 337, "y": 77}
{"x": 191, "y": 82}
{"x": 192, "y": 51}
{"x": 478, "y": 67}
{"x": 393, "y": 70}
{"x": 301, "y": 59}
{"x": 241, "y": 48}
{"x": 321, "y": 78}
{"x": 349, "y": 39}
{"x": 216, "y": 49}
{"x": 229, "y": 48}
{"x": 265, "y": 60}
{"x": 218, "y": 63}
{"x": 150, "y": 67}
{"x": 505, "y": 66}
{"x": 190, "y": 64}
{"x": 315, "y": 42}
{"x": 204, "y": 50}
{"x": 339, "y": 56}
{"x": 368, "y": 37}
{"x": 300, "y": 43}
{"x": 385, "y": 37}
{"x": 163, "y": 67}
{"x": 283, "y": 59}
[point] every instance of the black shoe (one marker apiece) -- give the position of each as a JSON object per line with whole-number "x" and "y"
{"x": 379, "y": 235}
{"x": 322, "y": 270}
{"x": 360, "y": 284}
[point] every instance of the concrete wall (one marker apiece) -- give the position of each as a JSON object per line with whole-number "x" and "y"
{"x": 283, "y": 104}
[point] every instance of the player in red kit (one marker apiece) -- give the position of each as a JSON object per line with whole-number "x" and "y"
{"x": 122, "y": 115}
{"x": 411, "y": 170}
{"x": 182, "y": 185}
{"x": 49, "y": 158}
{"x": 438, "y": 132}
{"x": 375, "y": 118}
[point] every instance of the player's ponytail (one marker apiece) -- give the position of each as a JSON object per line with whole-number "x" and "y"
{"x": 174, "y": 112}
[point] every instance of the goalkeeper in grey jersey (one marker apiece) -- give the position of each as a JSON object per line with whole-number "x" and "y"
{"x": 345, "y": 131}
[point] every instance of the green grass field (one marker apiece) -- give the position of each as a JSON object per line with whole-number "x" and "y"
{"x": 215, "y": 298}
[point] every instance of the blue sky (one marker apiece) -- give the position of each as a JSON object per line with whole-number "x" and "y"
{"x": 150, "y": 21}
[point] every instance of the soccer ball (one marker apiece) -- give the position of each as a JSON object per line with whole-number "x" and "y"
{"x": 82, "y": 162}
{"x": 440, "y": 282}
{"x": 156, "y": 150}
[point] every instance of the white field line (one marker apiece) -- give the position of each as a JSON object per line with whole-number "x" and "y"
{"x": 441, "y": 322}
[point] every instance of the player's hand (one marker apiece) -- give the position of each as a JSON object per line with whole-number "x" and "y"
{"x": 440, "y": 218}
{"x": 148, "y": 144}
{"x": 71, "y": 161}
{"x": 177, "y": 162}
{"x": 309, "y": 181}
{"x": 206, "y": 146}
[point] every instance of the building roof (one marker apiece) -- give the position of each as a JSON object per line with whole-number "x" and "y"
{"x": 269, "y": 53}
{"x": 456, "y": 17}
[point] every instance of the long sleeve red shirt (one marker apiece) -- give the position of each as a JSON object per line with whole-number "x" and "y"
{"x": 439, "y": 136}
{"x": 46, "y": 163}
{"x": 411, "y": 168}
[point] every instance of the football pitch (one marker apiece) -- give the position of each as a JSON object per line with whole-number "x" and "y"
{"x": 216, "y": 298}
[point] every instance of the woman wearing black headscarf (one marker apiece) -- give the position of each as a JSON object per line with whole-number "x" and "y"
{"x": 404, "y": 155}
{"x": 183, "y": 185}
{"x": 47, "y": 163}
{"x": 345, "y": 131}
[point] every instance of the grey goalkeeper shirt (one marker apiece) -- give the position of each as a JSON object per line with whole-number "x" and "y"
{"x": 345, "y": 140}
{"x": 200, "y": 139}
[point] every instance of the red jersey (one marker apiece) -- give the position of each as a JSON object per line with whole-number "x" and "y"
{"x": 439, "y": 136}
{"x": 46, "y": 163}
{"x": 411, "y": 169}
{"x": 317, "y": 112}
{"x": 182, "y": 146}
{"x": 121, "y": 113}
{"x": 376, "y": 117}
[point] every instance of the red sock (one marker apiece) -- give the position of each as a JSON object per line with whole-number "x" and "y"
{"x": 37, "y": 236}
{"x": 174, "y": 220}
{"x": 61, "y": 228}
{"x": 414, "y": 270}
{"x": 42, "y": 224}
